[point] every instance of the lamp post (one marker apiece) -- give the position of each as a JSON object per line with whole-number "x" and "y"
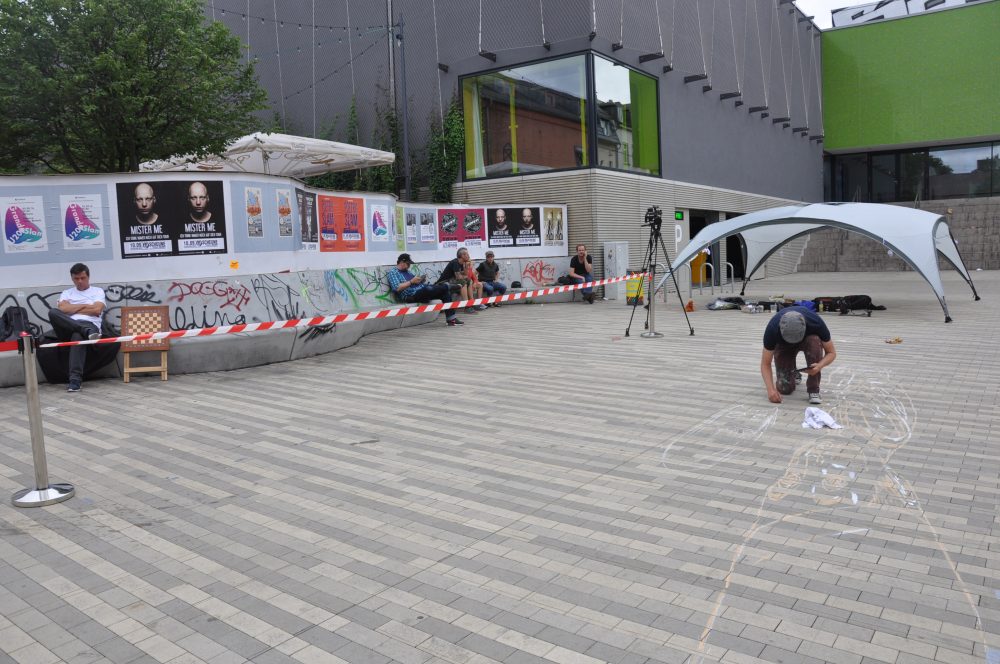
{"x": 406, "y": 136}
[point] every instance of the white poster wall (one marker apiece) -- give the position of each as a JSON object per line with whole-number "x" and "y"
{"x": 272, "y": 224}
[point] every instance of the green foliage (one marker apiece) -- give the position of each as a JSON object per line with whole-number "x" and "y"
{"x": 444, "y": 153}
{"x": 101, "y": 85}
{"x": 385, "y": 136}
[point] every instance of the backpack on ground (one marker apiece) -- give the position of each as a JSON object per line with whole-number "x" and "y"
{"x": 850, "y": 303}
{"x": 14, "y": 321}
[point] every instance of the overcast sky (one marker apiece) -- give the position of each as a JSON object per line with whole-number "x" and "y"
{"x": 821, "y": 9}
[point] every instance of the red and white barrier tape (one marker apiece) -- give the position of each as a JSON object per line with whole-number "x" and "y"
{"x": 327, "y": 320}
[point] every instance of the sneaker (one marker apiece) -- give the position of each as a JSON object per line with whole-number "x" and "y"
{"x": 74, "y": 386}
{"x": 481, "y": 307}
{"x": 814, "y": 398}
{"x": 471, "y": 310}
{"x": 496, "y": 305}
{"x": 454, "y": 322}
{"x": 94, "y": 336}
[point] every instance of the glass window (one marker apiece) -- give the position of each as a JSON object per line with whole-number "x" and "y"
{"x": 883, "y": 178}
{"x": 526, "y": 119}
{"x": 627, "y": 131}
{"x": 912, "y": 168}
{"x": 851, "y": 178}
{"x": 961, "y": 172}
{"x": 995, "y": 167}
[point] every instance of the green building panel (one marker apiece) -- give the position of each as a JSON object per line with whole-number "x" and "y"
{"x": 923, "y": 79}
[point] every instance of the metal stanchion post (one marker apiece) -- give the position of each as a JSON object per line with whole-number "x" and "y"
{"x": 652, "y": 333}
{"x": 43, "y": 493}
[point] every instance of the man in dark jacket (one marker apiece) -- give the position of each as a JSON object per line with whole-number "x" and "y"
{"x": 488, "y": 272}
{"x": 791, "y": 330}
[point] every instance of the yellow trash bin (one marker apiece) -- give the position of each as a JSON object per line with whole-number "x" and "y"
{"x": 633, "y": 294}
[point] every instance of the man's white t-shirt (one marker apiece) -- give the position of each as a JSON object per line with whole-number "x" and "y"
{"x": 89, "y": 296}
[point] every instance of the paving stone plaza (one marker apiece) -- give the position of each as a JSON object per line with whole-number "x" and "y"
{"x": 532, "y": 487}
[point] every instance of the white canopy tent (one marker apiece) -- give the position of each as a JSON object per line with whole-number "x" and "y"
{"x": 913, "y": 235}
{"x": 278, "y": 154}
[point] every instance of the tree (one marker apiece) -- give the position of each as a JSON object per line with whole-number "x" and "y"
{"x": 101, "y": 85}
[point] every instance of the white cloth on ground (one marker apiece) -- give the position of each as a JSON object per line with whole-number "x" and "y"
{"x": 817, "y": 418}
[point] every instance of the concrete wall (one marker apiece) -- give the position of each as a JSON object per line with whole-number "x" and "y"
{"x": 610, "y": 207}
{"x": 974, "y": 223}
{"x": 208, "y": 302}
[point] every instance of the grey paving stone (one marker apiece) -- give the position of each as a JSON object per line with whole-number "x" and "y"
{"x": 548, "y": 516}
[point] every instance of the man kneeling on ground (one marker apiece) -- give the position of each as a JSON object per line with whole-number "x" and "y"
{"x": 789, "y": 331}
{"x": 413, "y": 289}
{"x": 76, "y": 317}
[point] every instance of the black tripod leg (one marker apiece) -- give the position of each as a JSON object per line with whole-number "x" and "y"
{"x": 650, "y": 255}
{"x": 673, "y": 275}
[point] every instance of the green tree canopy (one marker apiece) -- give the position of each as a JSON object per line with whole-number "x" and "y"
{"x": 101, "y": 85}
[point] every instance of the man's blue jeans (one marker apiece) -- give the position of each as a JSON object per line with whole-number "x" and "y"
{"x": 586, "y": 278}
{"x": 491, "y": 288}
{"x": 427, "y": 292}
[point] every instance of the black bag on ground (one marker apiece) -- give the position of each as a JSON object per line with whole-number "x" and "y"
{"x": 54, "y": 362}
{"x": 14, "y": 321}
{"x": 850, "y": 303}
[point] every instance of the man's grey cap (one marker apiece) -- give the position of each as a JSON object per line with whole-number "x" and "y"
{"x": 793, "y": 327}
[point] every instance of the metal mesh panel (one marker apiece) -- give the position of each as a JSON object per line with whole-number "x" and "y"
{"x": 688, "y": 41}
{"x": 722, "y": 58}
{"x": 641, "y": 33}
{"x": 511, "y": 24}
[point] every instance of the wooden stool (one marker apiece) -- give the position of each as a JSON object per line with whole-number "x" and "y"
{"x": 145, "y": 320}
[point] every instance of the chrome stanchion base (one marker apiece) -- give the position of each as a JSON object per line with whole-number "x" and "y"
{"x": 55, "y": 493}
{"x": 651, "y": 335}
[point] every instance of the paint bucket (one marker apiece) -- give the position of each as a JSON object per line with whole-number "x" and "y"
{"x": 633, "y": 294}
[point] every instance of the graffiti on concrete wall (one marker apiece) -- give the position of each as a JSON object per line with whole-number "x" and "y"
{"x": 201, "y": 302}
{"x": 358, "y": 288}
{"x": 538, "y": 273}
{"x": 221, "y": 293}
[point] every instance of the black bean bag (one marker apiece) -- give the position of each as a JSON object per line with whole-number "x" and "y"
{"x": 54, "y": 362}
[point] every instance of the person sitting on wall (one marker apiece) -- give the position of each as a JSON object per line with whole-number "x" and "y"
{"x": 476, "y": 288}
{"x": 488, "y": 272}
{"x": 76, "y": 317}
{"x": 455, "y": 274}
{"x": 791, "y": 330}
{"x": 412, "y": 289}
{"x": 581, "y": 270}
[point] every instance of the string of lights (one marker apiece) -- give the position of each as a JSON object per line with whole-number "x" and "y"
{"x": 335, "y": 71}
{"x": 243, "y": 14}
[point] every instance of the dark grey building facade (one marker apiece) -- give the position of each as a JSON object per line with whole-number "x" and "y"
{"x": 737, "y": 87}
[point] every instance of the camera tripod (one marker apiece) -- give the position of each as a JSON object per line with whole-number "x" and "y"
{"x": 654, "y": 221}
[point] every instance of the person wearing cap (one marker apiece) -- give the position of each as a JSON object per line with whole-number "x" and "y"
{"x": 488, "y": 272}
{"x": 412, "y": 289}
{"x": 455, "y": 274}
{"x": 790, "y": 331}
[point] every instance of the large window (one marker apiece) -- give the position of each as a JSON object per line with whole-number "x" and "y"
{"x": 527, "y": 119}
{"x": 627, "y": 131}
{"x": 550, "y": 115}
{"x": 851, "y": 178}
{"x": 908, "y": 175}
{"x": 961, "y": 172}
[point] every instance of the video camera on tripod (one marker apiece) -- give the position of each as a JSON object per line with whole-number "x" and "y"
{"x": 653, "y": 218}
